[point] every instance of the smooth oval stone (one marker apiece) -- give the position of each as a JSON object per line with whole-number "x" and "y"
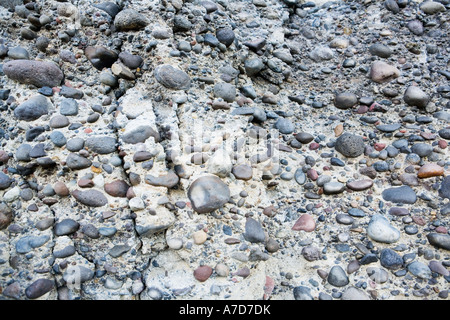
{"x": 100, "y": 57}
{"x": 91, "y": 198}
{"x": 344, "y": 219}
{"x": 380, "y": 50}
{"x": 225, "y": 36}
{"x": 302, "y": 293}
{"x": 337, "y": 277}
{"x": 360, "y": 185}
{"x": 439, "y": 240}
{"x": 208, "y": 193}
{"x": 117, "y": 188}
{"x": 304, "y": 137}
{"x": 414, "y": 96}
{"x": 436, "y": 266}
{"x": 242, "y": 172}
{"x": 355, "y": 212}
{"x": 130, "y": 19}
{"x": 389, "y": 127}
{"x": 33, "y": 108}
{"x": 38, "y": 288}
{"x": 345, "y": 100}
{"x": 397, "y": 211}
{"x": 172, "y": 78}
{"x": 379, "y": 229}
{"x": 65, "y": 227}
{"x": 403, "y": 194}
{"x": 65, "y": 252}
{"x": 38, "y": 73}
{"x": 419, "y": 269}
{"x": 28, "y": 243}
{"x": 300, "y": 176}
{"x": 5, "y": 181}
{"x": 432, "y": 7}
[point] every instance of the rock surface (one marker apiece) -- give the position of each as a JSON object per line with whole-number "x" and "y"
{"x": 224, "y": 150}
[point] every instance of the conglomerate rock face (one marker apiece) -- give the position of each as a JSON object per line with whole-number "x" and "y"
{"x": 224, "y": 149}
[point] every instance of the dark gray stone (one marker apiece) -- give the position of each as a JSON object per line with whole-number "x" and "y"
{"x": 350, "y": 145}
{"x": 345, "y": 100}
{"x": 380, "y": 50}
{"x": 302, "y": 293}
{"x": 225, "y": 36}
{"x": 390, "y": 259}
{"x": 226, "y": 91}
{"x": 253, "y": 231}
{"x": 208, "y": 193}
{"x": 130, "y": 19}
{"x": 90, "y": 198}
{"x": 65, "y": 227}
{"x": 38, "y": 288}
{"x": 101, "y": 144}
{"x": 439, "y": 240}
{"x": 403, "y": 194}
{"x": 33, "y": 108}
{"x": 172, "y": 78}
{"x": 5, "y": 181}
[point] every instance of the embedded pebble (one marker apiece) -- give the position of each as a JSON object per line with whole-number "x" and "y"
{"x": 207, "y": 149}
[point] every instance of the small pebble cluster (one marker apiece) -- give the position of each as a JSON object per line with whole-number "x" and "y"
{"x": 224, "y": 149}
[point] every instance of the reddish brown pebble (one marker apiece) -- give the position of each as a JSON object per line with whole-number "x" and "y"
{"x": 312, "y": 174}
{"x": 379, "y": 146}
{"x": 117, "y": 188}
{"x": 202, "y": 273}
{"x": 268, "y": 287}
{"x": 305, "y": 223}
{"x": 441, "y": 229}
{"x": 61, "y": 189}
{"x": 428, "y": 135}
{"x": 442, "y": 144}
{"x": 314, "y": 146}
{"x": 4, "y": 156}
{"x": 85, "y": 183}
{"x": 430, "y": 170}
